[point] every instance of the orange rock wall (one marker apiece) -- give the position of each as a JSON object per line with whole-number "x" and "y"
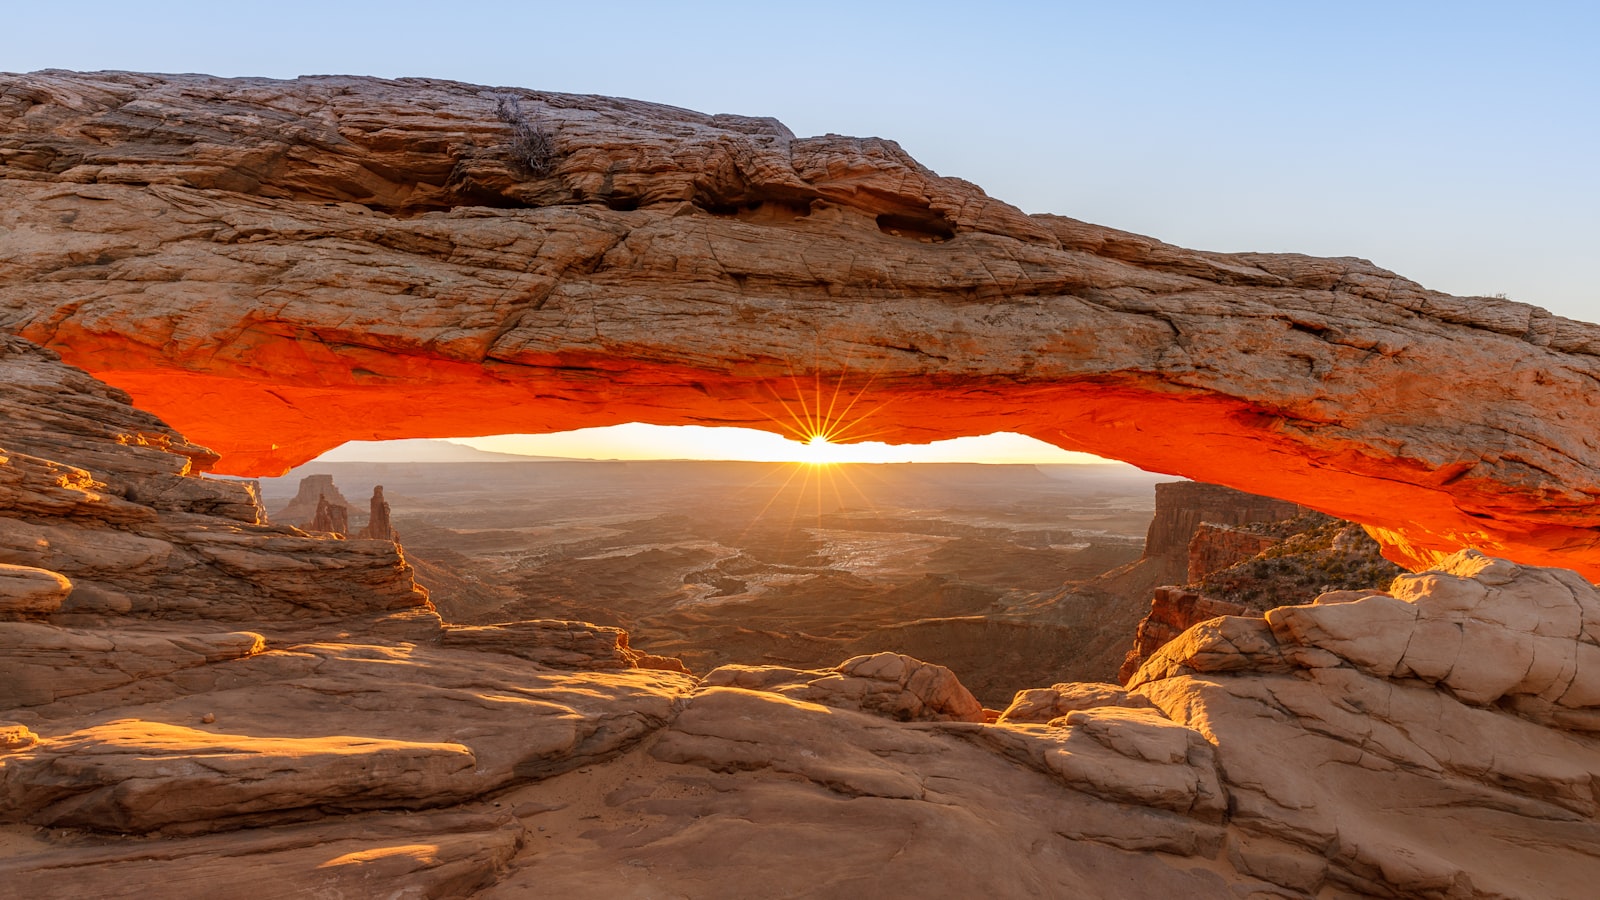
{"x": 265, "y": 428}
{"x": 279, "y": 267}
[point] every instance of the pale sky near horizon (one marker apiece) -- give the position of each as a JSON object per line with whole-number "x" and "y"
{"x": 1454, "y": 143}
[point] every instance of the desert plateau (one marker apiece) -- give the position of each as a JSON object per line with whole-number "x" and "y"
{"x": 1322, "y": 625}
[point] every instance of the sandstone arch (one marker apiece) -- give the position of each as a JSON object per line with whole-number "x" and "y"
{"x": 278, "y": 267}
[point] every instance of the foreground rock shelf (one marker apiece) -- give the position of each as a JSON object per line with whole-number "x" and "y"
{"x": 283, "y": 733}
{"x": 335, "y": 258}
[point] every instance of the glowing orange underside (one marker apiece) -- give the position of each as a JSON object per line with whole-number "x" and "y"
{"x": 263, "y": 424}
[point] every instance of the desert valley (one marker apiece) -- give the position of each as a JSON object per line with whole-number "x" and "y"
{"x": 772, "y": 563}
{"x": 1329, "y": 632}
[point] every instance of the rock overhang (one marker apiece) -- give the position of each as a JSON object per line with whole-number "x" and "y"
{"x": 278, "y": 267}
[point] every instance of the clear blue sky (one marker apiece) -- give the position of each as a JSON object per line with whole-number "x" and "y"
{"x": 1456, "y": 143}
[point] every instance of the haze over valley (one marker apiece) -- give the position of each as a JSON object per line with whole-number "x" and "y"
{"x": 774, "y": 563}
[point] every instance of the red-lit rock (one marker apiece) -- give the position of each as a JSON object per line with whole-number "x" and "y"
{"x": 278, "y": 267}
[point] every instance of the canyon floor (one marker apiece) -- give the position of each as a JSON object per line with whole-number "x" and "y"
{"x": 781, "y": 563}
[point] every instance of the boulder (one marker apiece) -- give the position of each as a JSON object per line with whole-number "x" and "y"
{"x": 889, "y": 684}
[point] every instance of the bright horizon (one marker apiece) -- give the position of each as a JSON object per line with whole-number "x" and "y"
{"x": 637, "y": 441}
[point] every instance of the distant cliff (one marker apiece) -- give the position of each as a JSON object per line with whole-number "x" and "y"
{"x": 1248, "y": 569}
{"x": 1181, "y": 507}
{"x": 303, "y": 508}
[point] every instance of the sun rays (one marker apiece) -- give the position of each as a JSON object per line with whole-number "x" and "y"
{"x": 830, "y": 423}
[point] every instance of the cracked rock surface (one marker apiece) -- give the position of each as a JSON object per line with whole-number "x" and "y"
{"x": 333, "y": 257}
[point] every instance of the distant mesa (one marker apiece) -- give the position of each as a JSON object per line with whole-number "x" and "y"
{"x": 423, "y": 450}
{"x": 1182, "y": 510}
{"x": 315, "y": 493}
{"x": 394, "y": 273}
{"x": 330, "y": 511}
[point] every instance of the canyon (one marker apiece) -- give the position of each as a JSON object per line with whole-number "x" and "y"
{"x": 201, "y": 275}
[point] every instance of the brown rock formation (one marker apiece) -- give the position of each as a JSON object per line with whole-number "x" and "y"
{"x": 1305, "y": 556}
{"x": 102, "y": 497}
{"x": 330, "y": 518}
{"x": 1215, "y": 547}
{"x": 378, "y": 527}
{"x": 1240, "y": 570}
{"x": 375, "y": 263}
{"x": 1173, "y": 611}
{"x": 139, "y": 709}
{"x": 889, "y": 684}
{"x": 1181, "y": 508}
{"x": 302, "y": 509}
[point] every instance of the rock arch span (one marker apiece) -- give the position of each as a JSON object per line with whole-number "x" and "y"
{"x": 277, "y": 267}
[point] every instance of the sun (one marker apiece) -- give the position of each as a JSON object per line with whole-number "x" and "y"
{"x": 824, "y": 424}
{"x": 817, "y": 450}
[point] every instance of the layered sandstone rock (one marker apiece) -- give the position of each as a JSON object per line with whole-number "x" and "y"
{"x": 313, "y": 490}
{"x": 1344, "y": 685}
{"x": 378, "y": 527}
{"x": 1173, "y": 611}
{"x": 1215, "y": 547}
{"x": 890, "y": 684}
{"x": 330, "y": 518}
{"x": 1182, "y": 507}
{"x": 277, "y": 267}
{"x": 1305, "y": 753}
{"x": 194, "y": 700}
{"x": 135, "y": 532}
{"x": 1245, "y": 570}
{"x": 172, "y": 664}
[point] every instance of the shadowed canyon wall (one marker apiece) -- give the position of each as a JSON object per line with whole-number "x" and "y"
{"x": 276, "y": 267}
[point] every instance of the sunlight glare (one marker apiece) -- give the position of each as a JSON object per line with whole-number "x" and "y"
{"x": 637, "y": 441}
{"x": 819, "y": 451}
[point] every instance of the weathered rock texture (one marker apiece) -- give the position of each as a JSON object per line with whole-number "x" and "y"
{"x": 1303, "y": 557}
{"x": 1215, "y": 547}
{"x": 1245, "y": 570}
{"x": 1183, "y": 506}
{"x": 302, "y": 509}
{"x": 890, "y": 684}
{"x": 331, "y": 518}
{"x": 169, "y": 663}
{"x": 378, "y": 526}
{"x": 1173, "y": 611}
{"x": 277, "y": 267}
{"x": 103, "y": 499}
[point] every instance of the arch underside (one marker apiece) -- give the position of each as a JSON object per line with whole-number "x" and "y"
{"x": 273, "y": 295}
